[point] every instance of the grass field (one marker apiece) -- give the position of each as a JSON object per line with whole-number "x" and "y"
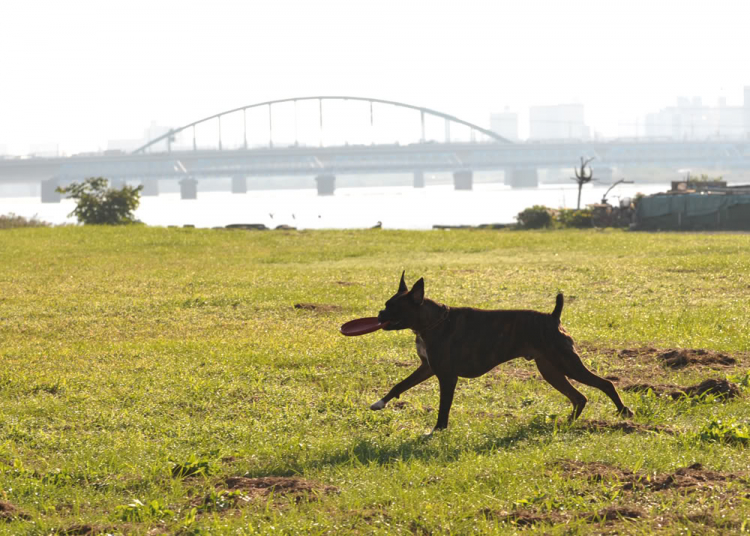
{"x": 160, "y": 381}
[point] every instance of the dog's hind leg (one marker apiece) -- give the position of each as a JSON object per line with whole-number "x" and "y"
{"x": 574, "y": 368}
{"x": 415, "y": 378}
{"x": 556, "y": 378}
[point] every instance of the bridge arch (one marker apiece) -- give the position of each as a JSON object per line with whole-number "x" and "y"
{"x": 423, "y": 111}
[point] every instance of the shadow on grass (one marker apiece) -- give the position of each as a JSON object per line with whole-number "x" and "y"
{"x": 438, "y": 446}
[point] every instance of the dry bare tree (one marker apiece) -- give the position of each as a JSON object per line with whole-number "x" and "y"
{"x": 582, "y": 178}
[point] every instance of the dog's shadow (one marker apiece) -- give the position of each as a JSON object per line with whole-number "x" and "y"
{"x": 430, "y": 447}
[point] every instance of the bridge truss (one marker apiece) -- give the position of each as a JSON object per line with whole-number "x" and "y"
{"x": 169, "y": 137}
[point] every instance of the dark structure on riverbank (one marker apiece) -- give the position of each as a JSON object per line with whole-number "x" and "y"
{"x": 696, "y": 206}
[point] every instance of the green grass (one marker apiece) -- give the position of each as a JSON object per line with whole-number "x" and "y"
{"x": 142, "y": 367}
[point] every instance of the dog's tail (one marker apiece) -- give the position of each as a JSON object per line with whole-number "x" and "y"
{"x": 558, "y": 305}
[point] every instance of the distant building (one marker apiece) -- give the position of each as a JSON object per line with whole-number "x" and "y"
{"x": 152, "y": 132}
{"x": 44, "y": 150}
{"x": 558, "y": 122}
{"x": 505, "y": 124}
{"x": 692, "y": 120}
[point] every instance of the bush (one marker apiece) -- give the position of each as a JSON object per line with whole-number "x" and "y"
{"x": 580, "y": 219}
{"x": 536, "y": 217}
{"x": 12, "y": 221}
{"x": 98, "y": 204}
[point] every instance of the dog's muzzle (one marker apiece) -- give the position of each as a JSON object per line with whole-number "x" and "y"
{"x": 383, "y": 317}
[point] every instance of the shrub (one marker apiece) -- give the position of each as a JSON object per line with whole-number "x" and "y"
{"x": 12, "y": 221}
{"x": 580, "y": 219}
{"x": 536, "y": 217}
{"x": 98, "y": 204}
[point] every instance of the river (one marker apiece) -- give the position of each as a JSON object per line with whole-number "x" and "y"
{"x": 397, "y": 207}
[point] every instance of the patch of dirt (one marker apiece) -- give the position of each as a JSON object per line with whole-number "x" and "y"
{"x": 692, "y": 477}
{"x": 347, "y": 283}
{"x": 523, "y": 517}
{"x": 677, "y": 359}
{"x": 278, "y": 485}
{"x": 400, "y": 404}
{"x": 689, "y": 478}
{"x": 721, "y": 389}
{"x": 673, "y": 358}
{"x": 318, "y": 307}
{"x": 624, "y": 426}
{"x": 10, "y": 512}
{"x": 86, "y": 530}
{"x": 616, "y": 513}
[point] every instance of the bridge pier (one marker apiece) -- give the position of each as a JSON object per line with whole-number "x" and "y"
{"x": 150, "y": 187}
{"x": 326, "y": 184}
{"x": 49, "y": 193}
{"x": 419, "y": 179}
{"x": 463, "y": 179}
{"x": 239, "y": 185}
{"x": 188, "y": 188}
{"x": 521, "y": 177}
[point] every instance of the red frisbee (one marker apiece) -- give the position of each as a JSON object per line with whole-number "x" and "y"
{"x": 361, "y": 326}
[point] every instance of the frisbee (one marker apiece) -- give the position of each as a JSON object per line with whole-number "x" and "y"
{"x": 361, "y": 326}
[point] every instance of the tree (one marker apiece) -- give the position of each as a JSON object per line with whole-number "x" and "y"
{"x": 98, "y": 204}
{"x": 581, "y": 178}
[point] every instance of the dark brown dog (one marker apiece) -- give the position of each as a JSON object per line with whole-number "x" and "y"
{"x": 468, "y": 342}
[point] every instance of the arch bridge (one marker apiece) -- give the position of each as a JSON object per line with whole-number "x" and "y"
{"x": 169, "y": 137}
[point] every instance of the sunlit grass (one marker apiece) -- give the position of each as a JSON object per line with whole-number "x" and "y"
{"x": 127, "y": 351}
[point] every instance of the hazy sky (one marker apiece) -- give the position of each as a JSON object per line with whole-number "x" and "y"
{"x": 79, "y": 73}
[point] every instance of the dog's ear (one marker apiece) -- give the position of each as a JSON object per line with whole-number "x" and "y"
{"x": 402, "y": 284}
{"x": 417, "y": 291}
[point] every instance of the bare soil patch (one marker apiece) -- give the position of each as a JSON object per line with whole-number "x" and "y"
{"x": 278, "y": 485}
{"x": 677, "y": 359}
{"x": 720, "y": 388}
{"x": 86, "y": 530}
{"x": 672, "y": 358}
{"x": 523, "y": 517}
{"x": 10, "y": 512}
{"x": 318, "y": 307}
{"x": 616, "y": 513}
{"x": 690, "y": 478}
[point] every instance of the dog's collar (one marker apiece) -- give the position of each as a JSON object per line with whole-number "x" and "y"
{"x": 443, "y": 317}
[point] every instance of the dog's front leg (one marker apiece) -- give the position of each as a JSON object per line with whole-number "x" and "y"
{"x": 415, "y": 378}
{"x": 447, "y": 389}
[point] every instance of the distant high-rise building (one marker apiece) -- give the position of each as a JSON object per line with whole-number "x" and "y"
{"x": 561, "y": 121}
{"x": 691, "y": 120}
{"x": 505, "y": 124}
{"x": 747, "y": 111}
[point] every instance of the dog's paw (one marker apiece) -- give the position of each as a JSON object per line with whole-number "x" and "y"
{"x": 380, "y": 404}
{"x": 626, "y": 412}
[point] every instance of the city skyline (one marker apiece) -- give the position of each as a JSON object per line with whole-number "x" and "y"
{"x": 77, "y": 77}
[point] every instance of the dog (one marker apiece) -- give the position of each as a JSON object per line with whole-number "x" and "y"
{"x": 455, "y": 342}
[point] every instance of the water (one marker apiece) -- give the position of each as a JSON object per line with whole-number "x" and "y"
{"x": 397, "y": 207}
